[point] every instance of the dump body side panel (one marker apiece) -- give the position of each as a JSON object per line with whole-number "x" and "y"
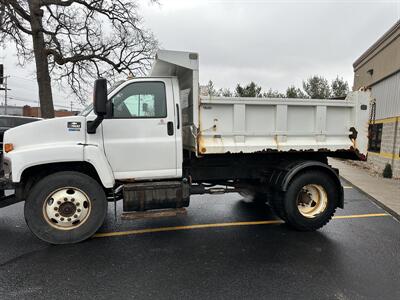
{"x": 249, "y": 125}
{"x": 216, "y": 125}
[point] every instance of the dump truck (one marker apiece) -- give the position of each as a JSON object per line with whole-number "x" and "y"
{"x": 152, "y": 142}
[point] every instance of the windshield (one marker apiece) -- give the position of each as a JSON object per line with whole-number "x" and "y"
{"x": 86, "y": 110}
{"x": 89, "y": 108}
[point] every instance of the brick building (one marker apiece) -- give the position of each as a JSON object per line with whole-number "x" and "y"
{"x": 378, "y": 69}
{"x": 28, "y": 111}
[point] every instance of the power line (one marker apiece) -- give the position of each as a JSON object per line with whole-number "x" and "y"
{"x": 32, "y": 101}
{"x": 57, "y": 93}
{"x": 35, "y": 101}
{"x": 24, "y": 78}
{"x": 54, "y": 91}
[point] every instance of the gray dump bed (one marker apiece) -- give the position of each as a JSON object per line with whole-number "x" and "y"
{"x": 216, "y": 125}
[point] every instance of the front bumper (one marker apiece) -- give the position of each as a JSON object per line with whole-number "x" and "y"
{"x": 6, "y": 184}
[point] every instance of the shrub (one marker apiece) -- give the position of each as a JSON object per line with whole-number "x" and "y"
{"x": 387, "y": 171}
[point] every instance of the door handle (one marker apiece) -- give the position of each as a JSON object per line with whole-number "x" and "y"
{"x": 170, "y": 128}
{"x": 177, "y": 114}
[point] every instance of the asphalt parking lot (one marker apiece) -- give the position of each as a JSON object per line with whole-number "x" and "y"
{"x": 224, "y": 248}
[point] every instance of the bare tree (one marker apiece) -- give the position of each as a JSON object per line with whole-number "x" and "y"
{"x": 75, "y": 41}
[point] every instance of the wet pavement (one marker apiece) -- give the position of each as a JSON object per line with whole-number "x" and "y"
{"x": 222, "y": 249}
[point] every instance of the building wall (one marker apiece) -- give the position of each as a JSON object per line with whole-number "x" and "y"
{"x": 388, "y": 153}
{"x": 29, "y": 111}
{"x": 387, "y": 96}
{"x": 383, "y": 58}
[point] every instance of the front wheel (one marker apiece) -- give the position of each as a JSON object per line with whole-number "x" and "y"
{"x": 65, "y": 208}
{"x": 310, "y": 201}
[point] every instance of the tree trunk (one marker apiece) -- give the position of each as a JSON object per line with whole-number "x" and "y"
{"x": 42, "y": 66}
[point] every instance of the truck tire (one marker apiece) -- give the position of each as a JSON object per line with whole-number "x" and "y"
{"x": 276, "y": 202}
{"x": 65, "y": 208}
{"x": 310, "y": 201}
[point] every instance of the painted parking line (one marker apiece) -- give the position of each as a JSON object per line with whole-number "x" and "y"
{"x": 347, "y": 187}
{"x": 219, "y": 225}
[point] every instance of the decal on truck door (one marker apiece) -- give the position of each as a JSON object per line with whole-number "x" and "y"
{"x": 74, "y": 126}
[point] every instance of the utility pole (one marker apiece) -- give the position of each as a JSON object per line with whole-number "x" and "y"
{"x": 71, "y": 106}
{"x": 5, "y": 95}
{"x": 3, "y": 86}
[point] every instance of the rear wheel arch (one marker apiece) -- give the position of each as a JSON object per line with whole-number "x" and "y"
{"x": 309, "y": 166}
{"x": 283, "y": 177}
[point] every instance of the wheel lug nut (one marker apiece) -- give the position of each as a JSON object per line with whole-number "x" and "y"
{"x": 57, "y": 215}
{"x": 62, "y": 219}
{"x": 55, "y": 208}
{"x": 79, "y": 210}
{"x": 77, "y": 204}
{"x": 58, "y": 202}
{"x": 75, "y": 216}
{"x": 69, "y": 219}
{"x": 72, "y": 200}
{"x": 65, "y": 199}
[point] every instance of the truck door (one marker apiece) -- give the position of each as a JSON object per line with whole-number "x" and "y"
{"x": 140, "y": 138}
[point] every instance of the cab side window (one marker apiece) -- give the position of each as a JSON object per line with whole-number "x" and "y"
{"x": 140, "y": 100}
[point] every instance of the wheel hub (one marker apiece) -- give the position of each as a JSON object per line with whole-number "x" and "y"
{"x": 312, "y": 200}
{"x": 67, "y": 208}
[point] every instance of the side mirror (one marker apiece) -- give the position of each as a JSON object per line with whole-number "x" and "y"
{"x": 100, "y": 97}
{"x": 99, "y": 104}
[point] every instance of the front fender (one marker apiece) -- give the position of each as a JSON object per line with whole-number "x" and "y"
{"x": 95, "y": 156}
{"x": 20, "y": 160}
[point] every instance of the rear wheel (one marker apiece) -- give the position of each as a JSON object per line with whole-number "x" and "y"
{"x": 277, "y": 204}
{"x": 65, "y": 207}
{"x": 310, "y": 201}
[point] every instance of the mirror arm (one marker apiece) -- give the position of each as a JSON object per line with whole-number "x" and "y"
{"x": 92, "y": 125}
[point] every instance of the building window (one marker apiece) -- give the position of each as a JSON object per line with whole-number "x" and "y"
{"x": 375, "y": 137}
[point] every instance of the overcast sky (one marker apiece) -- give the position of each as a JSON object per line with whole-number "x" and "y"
{"x": 274, "y": 43}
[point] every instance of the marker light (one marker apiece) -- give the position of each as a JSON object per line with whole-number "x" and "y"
{"x": 8, "y": 147}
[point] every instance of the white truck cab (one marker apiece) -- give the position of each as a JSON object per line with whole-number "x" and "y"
{"x": 144, "y": 123}
{"x": 152, "y": 142}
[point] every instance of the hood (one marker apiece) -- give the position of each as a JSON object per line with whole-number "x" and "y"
{"x": 58, "y": 130}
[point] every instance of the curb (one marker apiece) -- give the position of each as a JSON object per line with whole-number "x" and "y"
{"x": 394, "y": 214}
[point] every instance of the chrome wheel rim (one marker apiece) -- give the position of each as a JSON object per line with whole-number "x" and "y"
{"x": 312, "y": 200}
{"x": 67, "y": 208}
